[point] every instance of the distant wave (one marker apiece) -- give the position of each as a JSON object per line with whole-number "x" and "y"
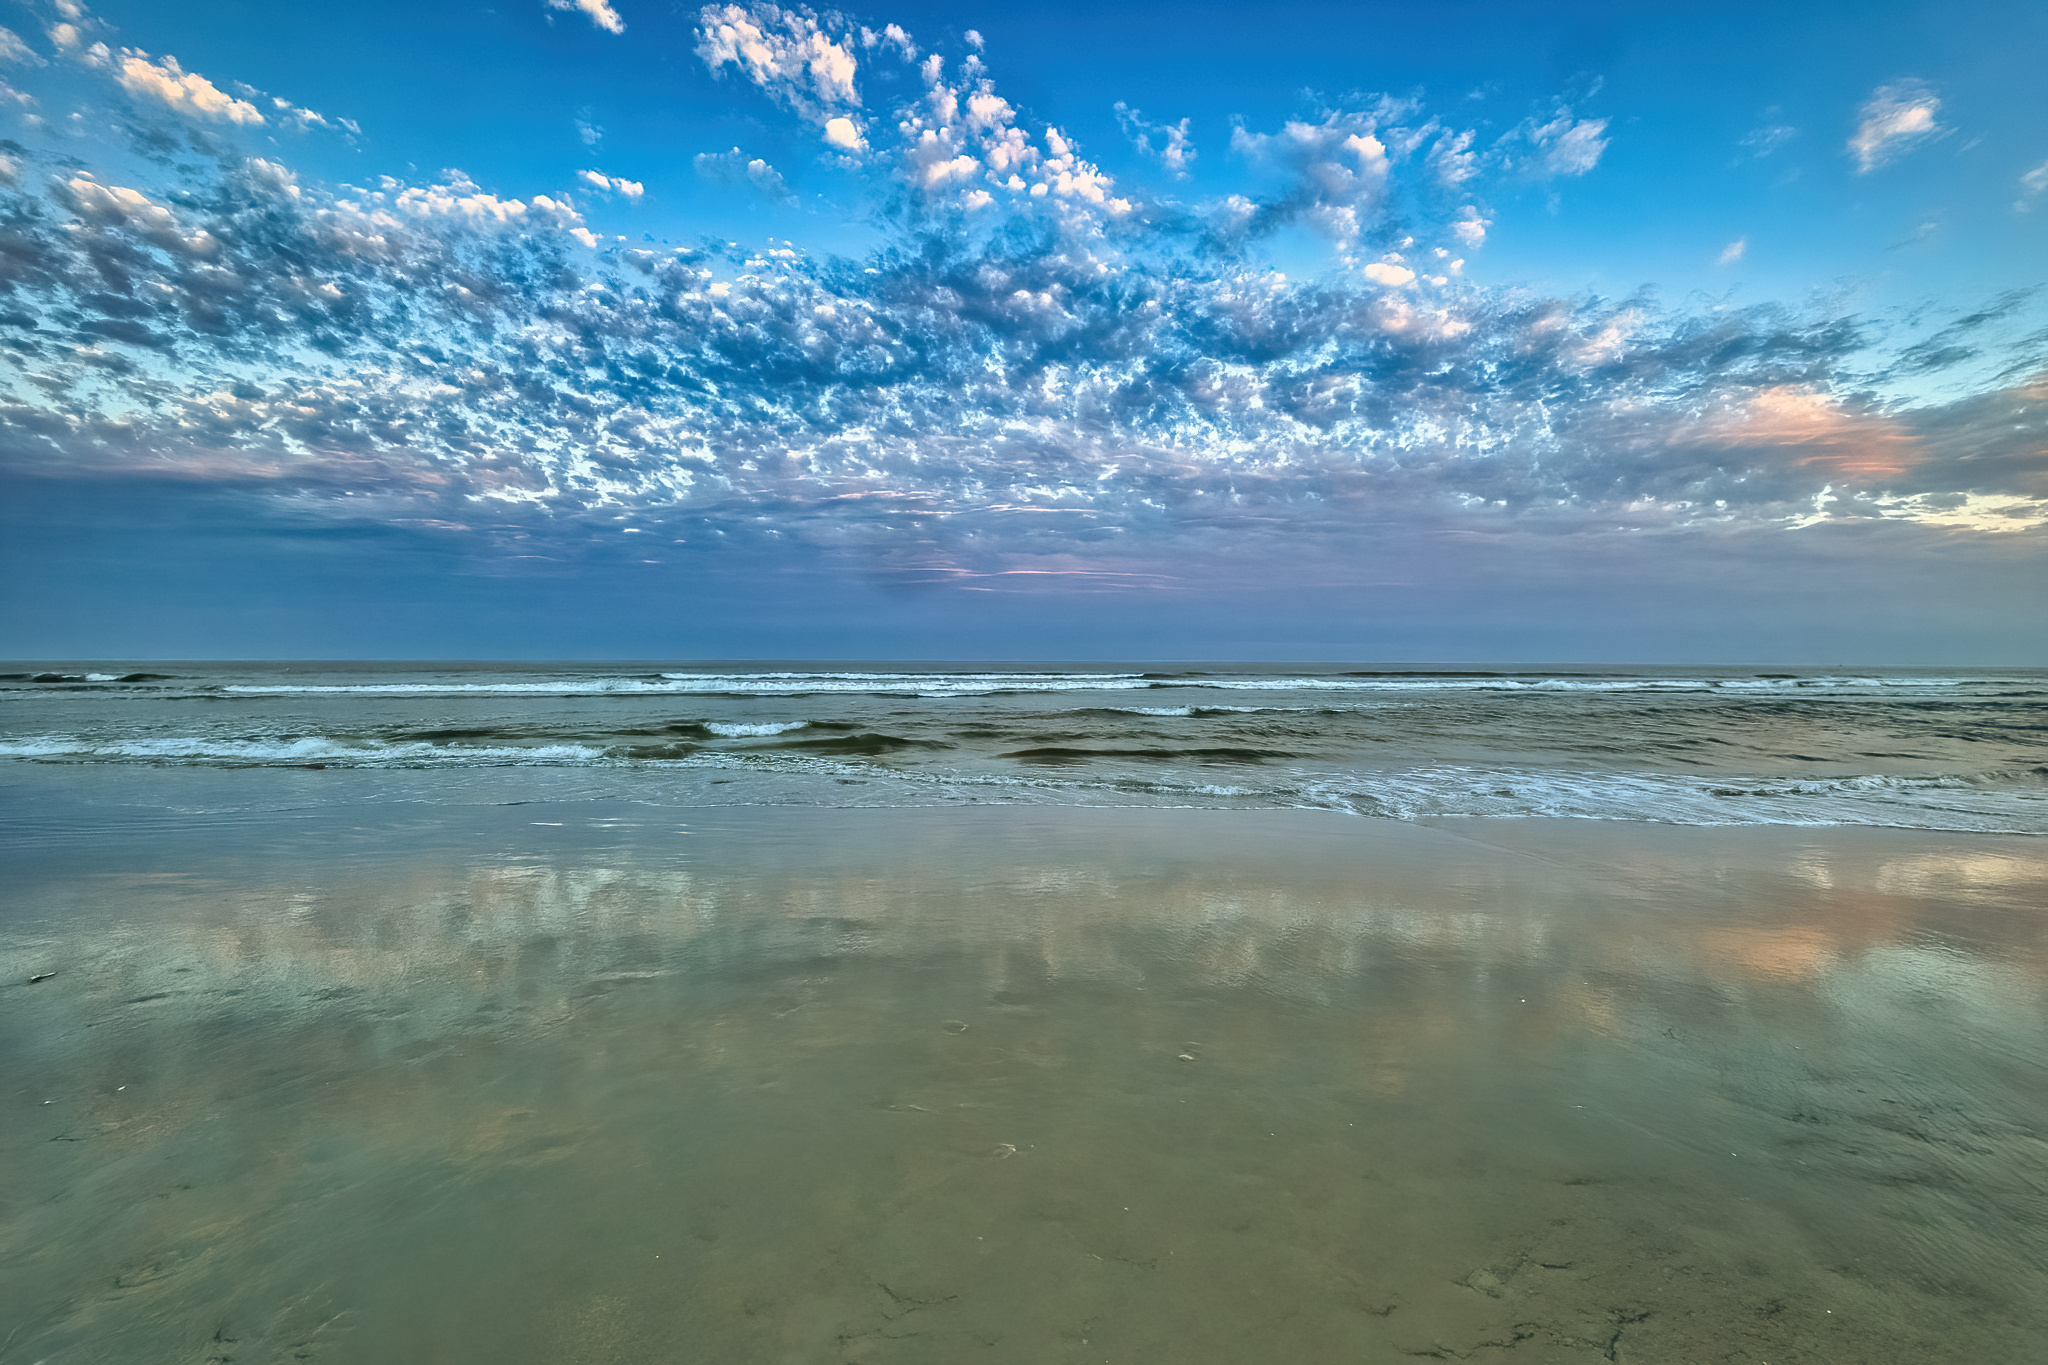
{"x": 2006, "y": 800}
{"x": 295, "y": 751}
{"x": 989, "y": 684}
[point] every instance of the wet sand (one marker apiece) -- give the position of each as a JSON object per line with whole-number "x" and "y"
{"x": 603, "y": 1083}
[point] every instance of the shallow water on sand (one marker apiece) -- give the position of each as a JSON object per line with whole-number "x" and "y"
{"x": 595, "y": 1082}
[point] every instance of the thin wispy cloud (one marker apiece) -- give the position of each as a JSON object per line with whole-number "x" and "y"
{"x": 13, "y": 50}
{"x": 1893, "y": 121}
{"x": 736, "y": 167}
{"x": 1559, "y": 145}
{"x": 1169, "y": 142}
{"x": 1767, "y": 138}
{"x": 2033, "y": 184}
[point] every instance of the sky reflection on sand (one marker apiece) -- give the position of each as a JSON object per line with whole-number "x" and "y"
{"x": 900, "y": 1085}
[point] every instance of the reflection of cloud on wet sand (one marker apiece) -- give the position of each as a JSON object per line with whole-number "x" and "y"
{"x": 1114, "y": 1075}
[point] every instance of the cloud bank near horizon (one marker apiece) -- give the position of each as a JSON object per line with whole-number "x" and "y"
{"x": 1039, "y": 365}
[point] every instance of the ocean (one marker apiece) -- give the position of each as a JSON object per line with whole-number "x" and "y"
{"x": 912, "y": 1014}
{"x": 1963, "y": 750}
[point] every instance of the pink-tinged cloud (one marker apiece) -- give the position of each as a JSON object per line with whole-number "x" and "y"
{"x": 1818, "y": 433}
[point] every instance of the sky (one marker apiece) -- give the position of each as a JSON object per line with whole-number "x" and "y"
{"x": 600, "y": 329}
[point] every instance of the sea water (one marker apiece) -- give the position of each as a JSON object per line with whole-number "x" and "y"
{"x": 1925, "y": 749}
{"x": 786, "y": 1013}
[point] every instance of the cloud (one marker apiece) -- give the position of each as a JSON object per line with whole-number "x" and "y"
{"x": 1815, "y": 430}
{"x": 957, "y": 146}
{"x": 1452, "y": 159}
{"x": 1558, "y": 146}
{"x": 789, "y": 54}
{"x": 1341, "y": 168}
{"x": 295, "y": 116}
{"x": 1766, "y": 138}
{"x": 841, "y": 133}
{"x": 1031, "y": 364}
{"x": 892, "y": 35}
{"x": 1894, "y": 120}
{"x": 2033, "y": 184}
{"x": 735, "y": 166}
{"x": 1732, "y": 252}
{"x": 1174, "y": 151}
{"x": 610, "y": 184}
{"x": 600, "y": 11}
{"x": 13, "y": 49}
{"x": 186, "y": 91}
{"x": 587, "y": 132}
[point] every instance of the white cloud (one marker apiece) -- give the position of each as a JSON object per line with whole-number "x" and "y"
{"x": 894, "y": 36}
{"x": 611, "y": 184}
{"x": 293, "y": 114}
{"x": 13, "y": 49}
{"x": 1469, "y": 227}
{"x": 768, "y": 180}
{"x": 600, "y": 11}
{"x": 1733, "y": 252}
{"x": 186, "y": 91}
{"x": 119, "y": 205}
{"x": 1561, "y": 145}
{"x": 786, "y": 53}
{"x": 1342, "y": 164}
{"x": 729, "y": 168}
{"x": 961, "y": 143}
{"x": 840, "y": 133}
{"x": 2032, "y": 185}
{"x": 460, "y": 199}
{"x": 975, "y": 40}
{"x": 1175, "y": 149}
{"x": 1453, "y": 160}
{"x": 1767, "y": 138}
{"x": 1895, "y": 119}
{"x": 1380, "y": 272}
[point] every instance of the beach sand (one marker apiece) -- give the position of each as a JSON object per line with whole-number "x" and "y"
{"x": 597, "y": 1082}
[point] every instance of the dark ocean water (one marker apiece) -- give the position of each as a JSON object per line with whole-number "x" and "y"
{"x": 1963, "y": 750}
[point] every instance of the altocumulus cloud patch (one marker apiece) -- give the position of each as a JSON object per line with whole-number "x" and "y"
{"x": 1037, "y": 358}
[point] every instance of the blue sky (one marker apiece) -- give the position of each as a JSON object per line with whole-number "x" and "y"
{"x": 1461, "y": 331}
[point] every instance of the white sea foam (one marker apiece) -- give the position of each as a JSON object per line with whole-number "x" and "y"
{"x": 2000, "y": 801}
{"x": 728, "y": 730}
{"x": 306, "y": 749}
{"x": 984, "y": 684}
{"x": 2005, "y": 802}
